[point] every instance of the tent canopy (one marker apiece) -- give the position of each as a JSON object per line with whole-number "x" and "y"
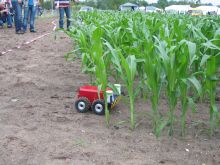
{"x": 178, "y": 8}
{"x": 128, "y": 5}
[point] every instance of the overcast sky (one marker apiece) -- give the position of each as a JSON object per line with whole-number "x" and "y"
{"x": 214, "y": 2}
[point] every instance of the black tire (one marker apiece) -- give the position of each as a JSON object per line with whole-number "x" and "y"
{"x": 98, "y": 106}
{"x": 82, "y": 104}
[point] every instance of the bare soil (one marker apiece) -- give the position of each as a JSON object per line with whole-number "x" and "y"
{"x": 39, "y": 125}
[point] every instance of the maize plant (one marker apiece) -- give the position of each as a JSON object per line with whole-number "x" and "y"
{"x": 211, "y": 59}
{"x": 176, "y": 54}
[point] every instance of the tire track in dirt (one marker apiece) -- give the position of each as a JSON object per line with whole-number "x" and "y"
{"x": 30, "y": 41}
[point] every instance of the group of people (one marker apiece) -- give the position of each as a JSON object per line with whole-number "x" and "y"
{"x": 11, "y": 11}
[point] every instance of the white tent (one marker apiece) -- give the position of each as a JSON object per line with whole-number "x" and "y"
{"x": 149, "y": 9}
{"x": 152, "y": 9}
{"x": 178, "y": 9}
{"x": 142, "y": 8}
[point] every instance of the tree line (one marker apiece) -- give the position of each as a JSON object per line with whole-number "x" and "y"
{"x": 114, "y": 4}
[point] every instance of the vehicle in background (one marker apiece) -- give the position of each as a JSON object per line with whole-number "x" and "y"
{"x": 195, "y": 12}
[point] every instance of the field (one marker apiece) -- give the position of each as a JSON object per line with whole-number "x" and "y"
{"x": 39, "y": 125}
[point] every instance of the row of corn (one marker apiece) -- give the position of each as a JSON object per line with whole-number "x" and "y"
{"x": 176, "y": 54}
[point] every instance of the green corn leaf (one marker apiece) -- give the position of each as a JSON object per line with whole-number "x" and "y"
{"x": 192, "y": 104}
{"x": 204, "y": 59}
{"x": 217, "y": 33}
{"x": 162, "y": 125}
{"x": 115, "y": 57}
{"x": 140, "y": 60}
{"x": 99, "y": 90}
{"x": 131, "y": 60}
{"x": 87, "y": 69}
{"x": 113, "y": 88}
{"x": 210, "y": 45}
{"x": 162, "y": 49}
{"x": 196, "y": 84}
{"x": 192, "y": 51}
{"x": 137, "y": 89}
{"x": 214, "y": 108}
{"x": 126, "y": 68}
{"x": 213, "y": 78}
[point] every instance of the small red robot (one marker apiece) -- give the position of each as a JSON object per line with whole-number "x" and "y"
{"x": 87, "y": 97}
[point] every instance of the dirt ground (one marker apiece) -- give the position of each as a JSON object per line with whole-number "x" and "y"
{"x": 39, "y": 125}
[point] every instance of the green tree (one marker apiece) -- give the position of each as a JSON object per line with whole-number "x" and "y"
{"x": 91, "y": 3}
{"x": 142, "y": 3}
{"x": 162, "y": 4}
{"x": 112, "y": 4}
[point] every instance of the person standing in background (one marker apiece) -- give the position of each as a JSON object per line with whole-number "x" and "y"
{"x": 63, "y": 6}
{"x": 29, "y": 10}
{"x": 17, "y": 7}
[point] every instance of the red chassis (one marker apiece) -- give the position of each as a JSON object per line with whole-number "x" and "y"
{"x": 87, "y": 97}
